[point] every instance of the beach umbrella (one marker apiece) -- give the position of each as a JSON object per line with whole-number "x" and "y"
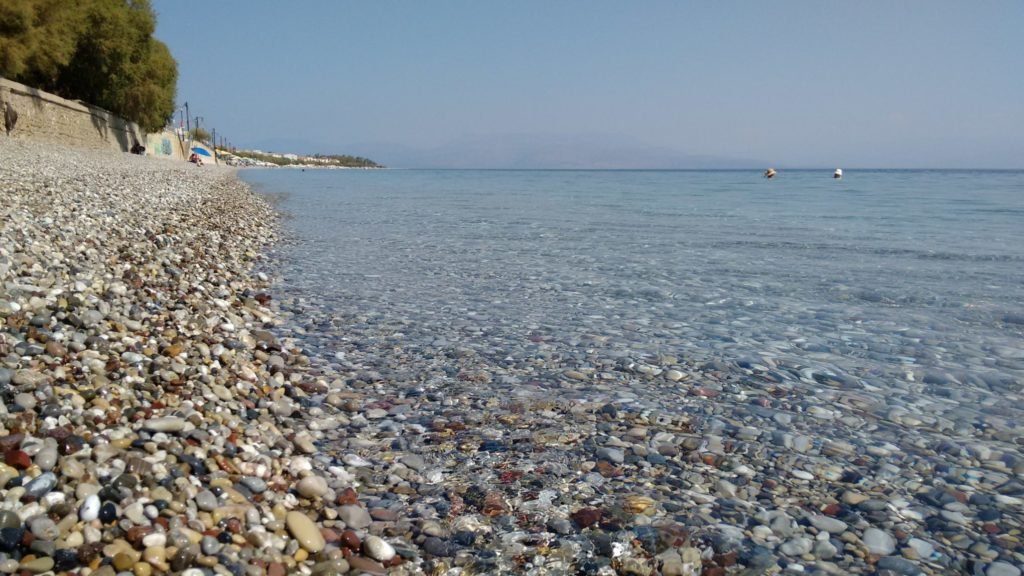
{"x": 201, "y": 151}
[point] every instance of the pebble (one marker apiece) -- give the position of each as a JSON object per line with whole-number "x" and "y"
{"x": 305, "y": 531}
{"x": 1002, "y": 569}
{"x": 354, "y": 516}
{"x": 879, "y": 542}
{"x": 90, "y": 509}
{"x": 830, "y": 525}
{"x": 378, "y": 549}
{"x": 312, "y": 487}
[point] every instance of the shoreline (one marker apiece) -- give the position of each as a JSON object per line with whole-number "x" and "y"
{"x": 144, "y": 365}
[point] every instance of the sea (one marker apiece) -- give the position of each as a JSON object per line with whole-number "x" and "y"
{"x": 908, "y": 281}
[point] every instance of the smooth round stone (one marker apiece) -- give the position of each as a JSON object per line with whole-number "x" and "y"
{"x": 312, "y": 487}
{"x": 1002, "y": 569}
{"x": 797, "y": 547}
{"x": 305, "y": 531}
{"x": 165, "y": 424}
{"x": 209, "y": 545}
{"x": 155, "y": 555}
{"x": 108, "y": 512}
{"x": 879, "y": 542}
{"x": 154, "y": 539}
{"x": 41, "y": 484}
{"x": 802, "y": 474}
{"x": 43, "y": 528}
{"x": 254, "y": 484}
{"x": 206, "y": 501}
{"x": 25, "y": 400}
{"x": 9, "y": 519}
{"x": 378, "y": 549}
{"x": 828, "y": 524}
{"x": 354, "y": 516}
{"x": 825, "y": 550}
{"x": 854, "y": 498}
{"x": 37, "y": 565}
{"x": 329, "y": 568}
{"x": 90, "y": 509}
{"x": 376, "y": 414}
{"x": 46, "y": 459}
{"x": 72, "y": 468}
{"x": 304, "y": 443}
{"x": 613, "y": 455}
{"x": 923, "y": 548}
{"x": 414, "y": 461}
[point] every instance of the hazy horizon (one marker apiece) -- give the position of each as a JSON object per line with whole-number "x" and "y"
{"x": 657, "y": 85}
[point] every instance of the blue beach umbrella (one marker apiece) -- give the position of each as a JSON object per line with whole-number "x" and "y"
{"x": 201, "y": 151}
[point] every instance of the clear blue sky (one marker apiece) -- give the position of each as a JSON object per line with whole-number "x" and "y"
{"x": 914, "y": 83}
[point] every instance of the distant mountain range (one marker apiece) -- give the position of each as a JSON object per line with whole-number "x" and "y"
{"x": 524, "y": 151}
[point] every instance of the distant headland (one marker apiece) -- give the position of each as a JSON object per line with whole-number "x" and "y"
{"x": 271, "y": 159}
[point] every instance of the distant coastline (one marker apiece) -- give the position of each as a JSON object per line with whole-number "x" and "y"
{"x": 260, "y": 158}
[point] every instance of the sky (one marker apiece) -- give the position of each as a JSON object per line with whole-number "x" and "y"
{"x": 609, "y": 84}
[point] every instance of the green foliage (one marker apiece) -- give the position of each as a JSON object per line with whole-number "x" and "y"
{"x": 351, "y": 161}
{"x": 98, "y": 51}
{"x": 200, "y": 134}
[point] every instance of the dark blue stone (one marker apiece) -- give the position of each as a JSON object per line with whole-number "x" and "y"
{"x": 10, "y": 538}
{"x": 65, "y": 559}
{"x": 656, "y": 459}
{"x": 493, "y": 446}
{"x": 758, "y": 558}
{"x": 108, "y": 512}
{"x": 464, "y": 537}
{"x": 437, "y": 547}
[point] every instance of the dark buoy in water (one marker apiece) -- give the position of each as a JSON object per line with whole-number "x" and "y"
{"x": 769, "y": 173}
{"x": 838, "y": 173}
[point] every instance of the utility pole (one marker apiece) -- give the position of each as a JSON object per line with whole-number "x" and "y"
{"x": 196, "y": 137}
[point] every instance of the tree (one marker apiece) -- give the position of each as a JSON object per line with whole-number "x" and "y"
{"x": 98, "y": 51}
{"x": 200, "y": 134}
{"x": 37, "y": 39}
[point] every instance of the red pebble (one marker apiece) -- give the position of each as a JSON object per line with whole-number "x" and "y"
{"x": 350, "y": 540}
{"x": 831, "y": 509}
{"x": 17, "y": 459}
{"x": 585, "y": 517}
{"x": 348, "y": 496}
{"x": 358, "y": 563}
{"x": 330, "y": 536}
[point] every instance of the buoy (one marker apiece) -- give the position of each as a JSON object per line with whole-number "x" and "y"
{"x": 838, "y": 173}
{"x": 769, "y": 173}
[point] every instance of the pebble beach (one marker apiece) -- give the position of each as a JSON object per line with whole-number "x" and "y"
{"x": 164, "y": 411}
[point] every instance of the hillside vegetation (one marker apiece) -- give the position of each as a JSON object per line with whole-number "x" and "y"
{"x": 101, "y": 52}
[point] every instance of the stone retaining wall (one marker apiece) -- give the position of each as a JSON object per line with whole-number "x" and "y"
{"x": 45, "y": 117}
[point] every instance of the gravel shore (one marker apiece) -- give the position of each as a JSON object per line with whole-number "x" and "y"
{"x": 160, "y": 414}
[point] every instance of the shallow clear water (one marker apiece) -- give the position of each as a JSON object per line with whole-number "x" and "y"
{"x": 882, "y": 275}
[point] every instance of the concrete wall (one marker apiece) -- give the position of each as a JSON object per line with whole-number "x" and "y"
{"x": 46, "y": 117}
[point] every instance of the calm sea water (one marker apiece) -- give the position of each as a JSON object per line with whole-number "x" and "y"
{"x": 883, "y": 275}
